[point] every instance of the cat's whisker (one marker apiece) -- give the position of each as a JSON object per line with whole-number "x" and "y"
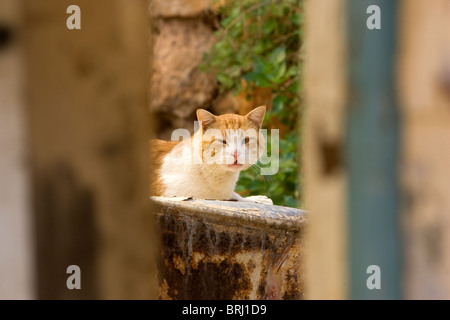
{"x": 256, "y": 165}
{"x": 267, "y": 178}
{"x": 214, "y": 168}
{"x": 255, "y": 169}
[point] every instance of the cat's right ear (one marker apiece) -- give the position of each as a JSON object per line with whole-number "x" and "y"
{"x": 205, "y": 117}
{"x": 257, "y": 115}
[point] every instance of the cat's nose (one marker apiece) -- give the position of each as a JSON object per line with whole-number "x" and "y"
{"x": 235, "y": 155}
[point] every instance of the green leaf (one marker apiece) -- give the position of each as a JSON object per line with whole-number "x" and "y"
{"x": 278, "y": 103}
{"x": 269, "y": 26}
{"x": 224, "y": 80}
{"x": 279, "y": 77}
{"x": 252, "y": 43}
{"x": 278, "y": 55}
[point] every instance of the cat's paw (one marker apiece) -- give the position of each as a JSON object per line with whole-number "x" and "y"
{"x": 259, "y": 199}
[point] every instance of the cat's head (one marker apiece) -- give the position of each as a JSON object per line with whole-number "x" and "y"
{"x": 232, "y": 141}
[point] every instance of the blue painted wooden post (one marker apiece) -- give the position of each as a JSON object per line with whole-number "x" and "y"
{"x": 372, "y": 151}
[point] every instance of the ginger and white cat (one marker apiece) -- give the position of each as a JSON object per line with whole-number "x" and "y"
{"x": 207, "y": 166}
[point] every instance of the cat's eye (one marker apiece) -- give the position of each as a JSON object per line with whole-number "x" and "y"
{"x": 221, "y": 141}
{"x": 246, "y": 140}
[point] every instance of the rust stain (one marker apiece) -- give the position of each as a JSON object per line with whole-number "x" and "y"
{"x": 179, "y": 264}
{"x": 203, "y": 259}
{"x": 163, "y": 291}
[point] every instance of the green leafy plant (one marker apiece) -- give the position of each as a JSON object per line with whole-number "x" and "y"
{"x": 259, "y": 41}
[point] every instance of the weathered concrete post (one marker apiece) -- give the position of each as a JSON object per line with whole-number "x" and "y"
{"x": 229, "y": 250}
{"x": 325, "y": 174}
{"x": 76, "y": 101}
{"x": 16, "y": 239}
{"x": 424, "y": 87}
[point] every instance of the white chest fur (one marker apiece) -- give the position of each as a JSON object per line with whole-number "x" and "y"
{"x": 182, "y": 177}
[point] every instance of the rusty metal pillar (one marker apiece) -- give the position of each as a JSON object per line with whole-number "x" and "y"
{"x": 372, "y": 142}
{"x": 229, "y": 250}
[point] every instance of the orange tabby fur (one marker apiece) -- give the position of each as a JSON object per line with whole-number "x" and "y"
{"x": 160, "y": 150}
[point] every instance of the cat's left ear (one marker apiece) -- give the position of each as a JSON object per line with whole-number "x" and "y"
{"x": 257, "y": 115}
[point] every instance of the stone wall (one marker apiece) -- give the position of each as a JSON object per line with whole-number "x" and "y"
{"x": 182, "y": 33}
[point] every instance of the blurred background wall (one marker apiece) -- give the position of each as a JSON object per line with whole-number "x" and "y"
{"x": 182, "y": 34}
